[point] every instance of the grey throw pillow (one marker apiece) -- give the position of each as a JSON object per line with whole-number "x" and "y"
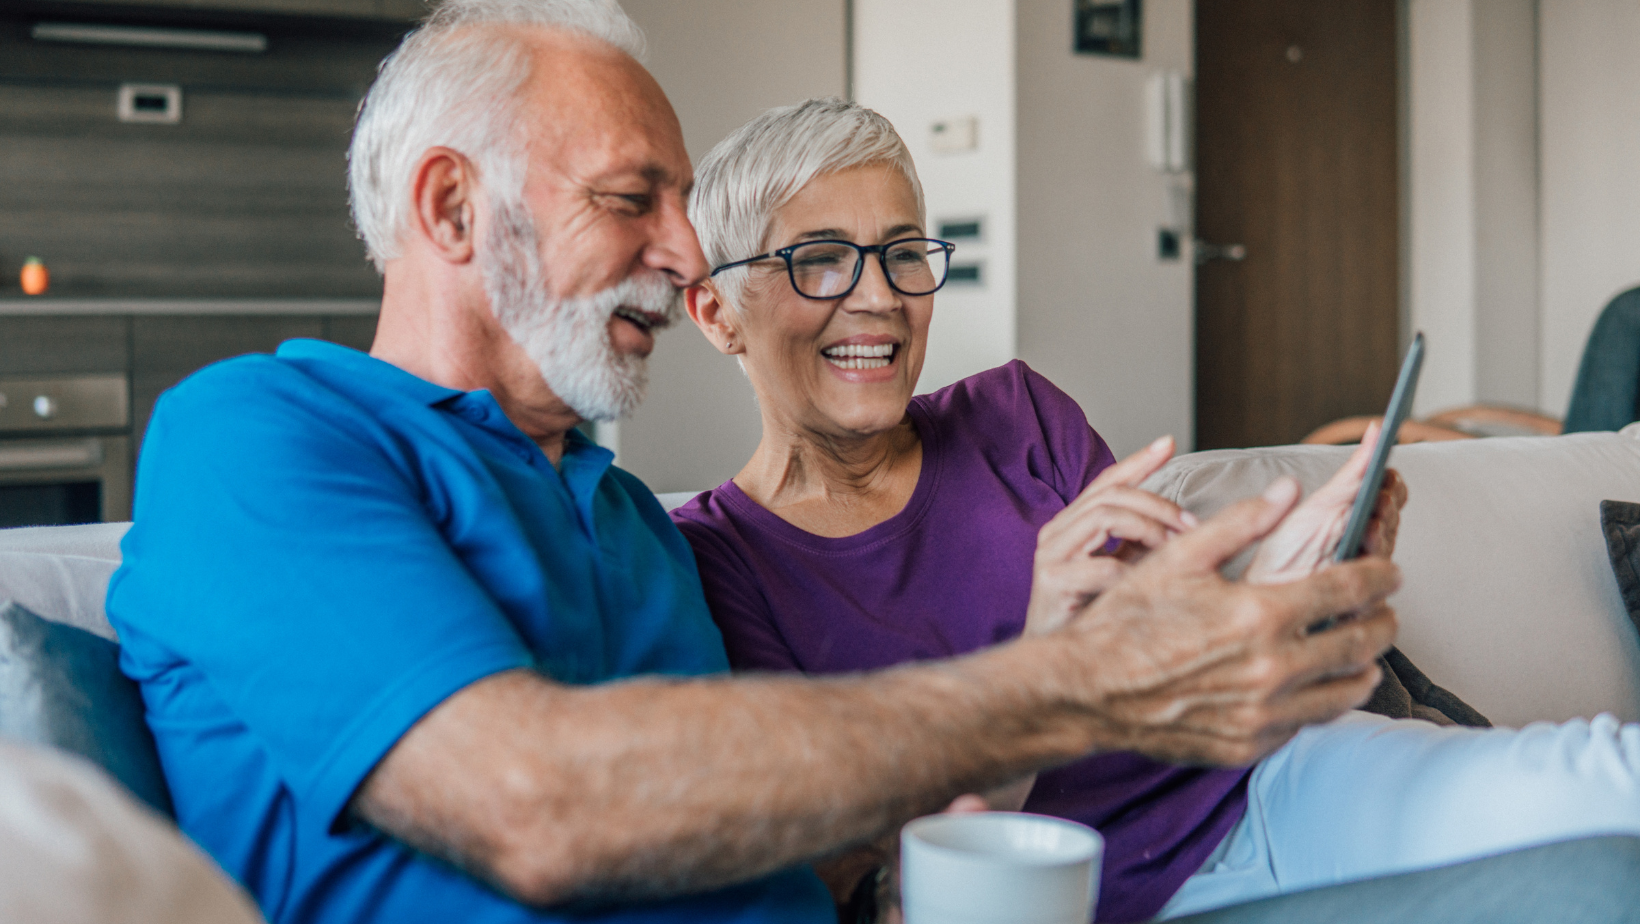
{"x": 1620, "y": 521}
{"x": 1407, "y": 693}
{"x": 61, "y": 686}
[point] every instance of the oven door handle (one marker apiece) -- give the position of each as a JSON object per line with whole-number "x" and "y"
{"x": 34, "y": 456}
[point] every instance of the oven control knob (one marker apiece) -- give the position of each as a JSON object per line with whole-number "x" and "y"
{"x": 45, "y": 407}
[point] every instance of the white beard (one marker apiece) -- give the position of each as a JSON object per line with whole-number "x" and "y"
{"x": 568, "y": 339}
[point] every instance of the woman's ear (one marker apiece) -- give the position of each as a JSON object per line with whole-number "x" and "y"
{"x": 713, "y": 317}
{"x": 443, "y": 190}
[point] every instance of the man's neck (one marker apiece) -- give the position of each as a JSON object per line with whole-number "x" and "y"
{"x": 447, "y": 335}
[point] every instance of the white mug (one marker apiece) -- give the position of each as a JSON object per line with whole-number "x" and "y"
{"x": 999, "y": 868}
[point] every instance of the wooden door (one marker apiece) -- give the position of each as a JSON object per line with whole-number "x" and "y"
{"x": 1297, "y": 160}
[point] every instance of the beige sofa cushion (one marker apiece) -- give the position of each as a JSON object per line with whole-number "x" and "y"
{"x": 75, "y": 849}
{"x": 1508, "y": 600}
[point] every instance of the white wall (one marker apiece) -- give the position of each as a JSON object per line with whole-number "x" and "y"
{"x": 1075, "y": 287}
{"x": 1099, "y": 314}
{"x": 1472, "y": 199}
{"x": 1506, "y": 203}
{"x": 1590, "y": 104}
{"x": 1524, "y": 192}
{"x": 721, "y": 62}
{"x": 923, "y": 61}
{"x": 1441, "y": 197}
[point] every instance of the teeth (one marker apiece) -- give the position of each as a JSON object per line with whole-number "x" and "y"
{"x": 883, "y": 350}
{"x": 636, "y": 317}
{"x": 859, "y": 362}
{"x": 859, "y": 355}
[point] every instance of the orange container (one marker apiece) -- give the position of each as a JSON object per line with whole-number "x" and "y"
{"x": 35, "y": 278}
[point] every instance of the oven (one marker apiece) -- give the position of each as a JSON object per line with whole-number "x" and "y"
{"x": 65, "y": 450}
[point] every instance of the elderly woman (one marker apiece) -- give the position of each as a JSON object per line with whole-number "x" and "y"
{"x": 871, "y": 527}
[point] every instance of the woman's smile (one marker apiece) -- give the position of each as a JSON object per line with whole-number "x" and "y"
{"x": 865, "y": 358}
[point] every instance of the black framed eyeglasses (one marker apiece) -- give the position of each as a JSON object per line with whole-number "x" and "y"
{"x": 831, "y": 269}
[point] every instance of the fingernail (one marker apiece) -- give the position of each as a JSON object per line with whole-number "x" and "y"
{"x": 1281, "y": 490}
{"x": 1189, "y": 519}
{"x": 1159, "y": 444}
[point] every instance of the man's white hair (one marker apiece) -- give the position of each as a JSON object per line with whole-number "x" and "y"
{"x": 454, "y": 82}
{"x": 755, "y": 171}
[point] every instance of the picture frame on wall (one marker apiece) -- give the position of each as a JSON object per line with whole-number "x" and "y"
{"x": 1108, "y": 27}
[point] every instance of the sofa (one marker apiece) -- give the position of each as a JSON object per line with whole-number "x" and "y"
{"x": 1509, "y": 597}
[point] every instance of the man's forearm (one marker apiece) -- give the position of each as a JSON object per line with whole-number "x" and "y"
{"x": 650, "y": 787}
{"x": 787, "y": 769}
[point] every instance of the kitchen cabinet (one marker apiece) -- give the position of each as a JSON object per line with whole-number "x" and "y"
{"x": 158, "y": 350}
{"x": 355, "y": 330}
{"x": 388, "y": 10}
{"x": 244, "y": 198}
{"x": 39, "y": 345}
{"x": 167, "y": 349}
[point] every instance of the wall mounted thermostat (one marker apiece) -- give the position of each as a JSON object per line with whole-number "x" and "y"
{"x": 953, "y": 136}
{"x": 150, "y": 102}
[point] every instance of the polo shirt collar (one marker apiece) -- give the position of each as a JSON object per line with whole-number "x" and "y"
{"x": 584, "y": 461}
{"x": 364, "y": 366}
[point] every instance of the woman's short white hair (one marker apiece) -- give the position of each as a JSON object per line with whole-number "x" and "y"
{"x": 454, "y": 82}
{"x": 755, "y": 171}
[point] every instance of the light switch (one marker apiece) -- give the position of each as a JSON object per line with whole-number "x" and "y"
{"x": 953, "y": 136}
{"x": 150, "y": 102}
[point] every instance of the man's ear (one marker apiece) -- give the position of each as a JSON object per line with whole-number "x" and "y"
{"x": 444, "y": 190}
{"x": 714, "y": 318}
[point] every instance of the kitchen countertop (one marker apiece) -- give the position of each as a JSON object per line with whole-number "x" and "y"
{"x": 46, "y": 305}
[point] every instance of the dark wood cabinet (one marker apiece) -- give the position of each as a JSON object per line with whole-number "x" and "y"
{"x": 243, "y": 197}
{"x": 158, "y": 351}
{"x": 36, "y": 345}
{"x": 356, "y": 330}
{"x": 165, "y": 349}
{"x": 390, "y": 10}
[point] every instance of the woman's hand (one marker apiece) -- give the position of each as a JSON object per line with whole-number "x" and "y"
{"x": 880, "y": 860}
{"x": 888, "y": 881}
{"x": 1073, "y": 564}
{"x": 1304, "y": 542}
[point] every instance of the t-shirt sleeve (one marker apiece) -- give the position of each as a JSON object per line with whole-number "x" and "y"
{"x": 1076, "y": 452}
{"x": 286, "y": 552}
{"x": 738, "y": 606}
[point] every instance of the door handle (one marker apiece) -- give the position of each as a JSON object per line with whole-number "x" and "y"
{"x": 1205, "y": 252}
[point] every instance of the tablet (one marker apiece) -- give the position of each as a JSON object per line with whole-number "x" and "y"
{"x": 1400, "y": 402}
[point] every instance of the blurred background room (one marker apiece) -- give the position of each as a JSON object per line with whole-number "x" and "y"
{"x": 1220, "y": 219}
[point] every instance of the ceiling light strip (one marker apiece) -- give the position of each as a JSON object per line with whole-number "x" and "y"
{"x": 147, "y": 37}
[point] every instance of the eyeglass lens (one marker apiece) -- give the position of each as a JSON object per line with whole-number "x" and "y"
{"x": 826, "y": 269}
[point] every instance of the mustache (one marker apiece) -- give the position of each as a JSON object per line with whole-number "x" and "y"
{"x": 647, "y": 292}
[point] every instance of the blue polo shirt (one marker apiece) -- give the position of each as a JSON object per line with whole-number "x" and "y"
{"x": 325, "y": 548}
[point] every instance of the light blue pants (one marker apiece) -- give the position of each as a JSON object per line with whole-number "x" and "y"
{"x": 1366, "y": 796}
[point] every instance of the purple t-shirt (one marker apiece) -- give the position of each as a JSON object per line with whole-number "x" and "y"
{"x": 1003, "y": 451}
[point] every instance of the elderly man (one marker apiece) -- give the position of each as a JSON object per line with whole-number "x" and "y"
{"x": 413, "y": 651}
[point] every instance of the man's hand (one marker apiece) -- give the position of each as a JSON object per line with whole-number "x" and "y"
{"x": 1072, "y": 565}
{"x": 1304, "y": 542}
{"x": 1194, "y": 669}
